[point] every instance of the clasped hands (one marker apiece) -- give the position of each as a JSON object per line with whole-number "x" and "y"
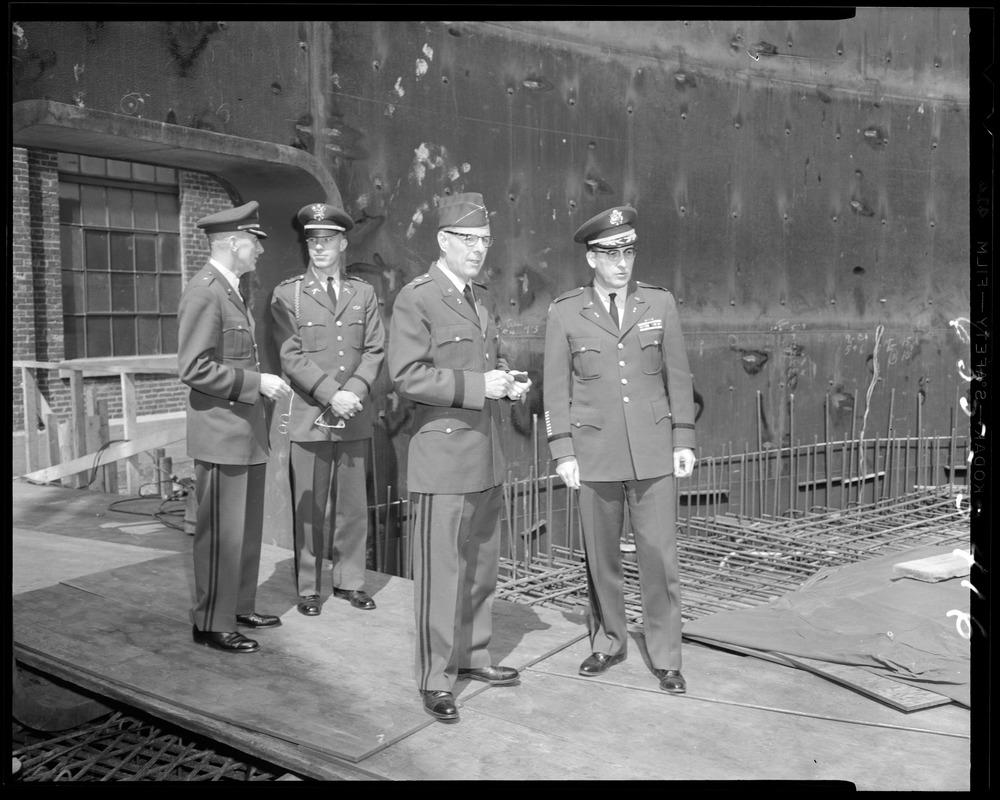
{"x": 512, "y": 384}
{"x": 345, "y": 404}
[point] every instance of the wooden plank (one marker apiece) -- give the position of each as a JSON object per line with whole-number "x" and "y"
{"x": 556, "y": 728}
{"x": 52, "y": 438}
{"x": 66, "y": 453}
{"x": 110, "y": 470}
{"x": 94, "y": 443}
{"x": 898, "y": 695}
{"x": 276, "y": 751}
{"x": 934, "y": 568}
{"x": 29, "y": 403}
{"x": 114, "y": 452}
{"x": 140, "y": 642}
{"x": 130, "y": 416}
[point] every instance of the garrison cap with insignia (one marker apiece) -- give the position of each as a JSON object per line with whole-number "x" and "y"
{"x": 240, "y": 219}
{"x": 322, "y": 218}
{"x": 464, "y": 210}
{"x": 608, "y": 230}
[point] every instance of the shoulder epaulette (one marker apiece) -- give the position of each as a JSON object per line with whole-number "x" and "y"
{"x": 420, "y": 279}
{"x": 481, "y": 285}
{"x": 567, "y": 295}
{"x": 645, "y": 285}
{"x": 290, "y": 280}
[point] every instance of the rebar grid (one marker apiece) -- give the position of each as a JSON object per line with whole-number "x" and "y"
{"x": 119, "y": 747}
{"x": 728, "y": 563}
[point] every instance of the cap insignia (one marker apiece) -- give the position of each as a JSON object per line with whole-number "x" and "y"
{"x": 319, "y": 211}
{"x": 616, "y": 217}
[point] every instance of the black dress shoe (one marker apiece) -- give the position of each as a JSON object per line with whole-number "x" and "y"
{"x": 440, "y": 705}
{"x": 493, "y": 675}
{"x": 671, "y": 680}
{"x": 228, "y": 642}
{"x": 310, "y": 605}
{"x": 357, "y": 597}
{"x": 596, "y": 663}
{"x": 255, "y": 620}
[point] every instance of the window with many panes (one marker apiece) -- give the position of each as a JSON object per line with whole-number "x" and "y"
{"x": 121, "y": 261}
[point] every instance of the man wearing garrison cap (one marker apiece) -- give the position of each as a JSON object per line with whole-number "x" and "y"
{"x": 227, "y": 431}
{"x": 444, "y": 354}
{"x": 619, "y": 416}
{"x": 331, "y": 341}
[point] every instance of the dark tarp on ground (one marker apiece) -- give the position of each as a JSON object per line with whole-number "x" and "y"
{"x": 860, "y": 614}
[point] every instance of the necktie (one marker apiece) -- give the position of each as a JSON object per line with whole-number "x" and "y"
{"x": 613, "y": 308}
{"x": 331, "y": 290}
{"x": 467, "y": 291}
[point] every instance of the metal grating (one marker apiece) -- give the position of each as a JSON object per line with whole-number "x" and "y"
{"x": 120, "y": 747}
{"x": 729, "y": 562}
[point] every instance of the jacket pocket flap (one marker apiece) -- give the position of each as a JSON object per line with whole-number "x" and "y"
{"x": 580, "y": 416}
{"x": 661, "y": 408}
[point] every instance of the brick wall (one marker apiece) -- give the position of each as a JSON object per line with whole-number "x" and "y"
{"x": 201, "y": 195}
{"x": 36, "y": 282}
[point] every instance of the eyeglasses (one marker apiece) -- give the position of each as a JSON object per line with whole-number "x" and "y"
{"x": 470, "y": 239}
{"x": 322, "y": 423}
{"x": 615, "y": 255}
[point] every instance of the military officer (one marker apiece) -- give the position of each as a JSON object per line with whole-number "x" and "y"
{"x": 619, "y": 415}
{"x": 331, "y": 342}
{"x": 227, "y": 431}
{"x": 444, "y": 355}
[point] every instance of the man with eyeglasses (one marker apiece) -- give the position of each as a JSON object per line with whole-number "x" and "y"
{"x": 227, "y": 431}
{"x": 619, "y": 416}
{"x": 444, "y": 354}
{"x": 331, "y": 341}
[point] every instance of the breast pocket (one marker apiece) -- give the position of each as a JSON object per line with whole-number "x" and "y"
{"x": 586, "y": 354}
{"x": 237, "y": 342}
{"x": 455, "y": 346}
{"x": 651, "y": 343}
{"x": 314, "y": 336}
{"x": 355, "y": 332}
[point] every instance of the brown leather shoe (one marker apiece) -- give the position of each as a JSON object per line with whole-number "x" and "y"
{"x": 228, "y": 641}
{"x": 597, "y": 663}
{"x": 255, "y": 620}
{"x": 357, "y": 597}
{"x": 440, "y": 705}
{"x": 310, "y": 605}
{"x": 493, "y": 675}
{"x": 671, "y": 680}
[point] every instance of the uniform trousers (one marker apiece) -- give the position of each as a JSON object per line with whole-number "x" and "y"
{"x": 315, "y": 467}
{"x": 227, "y": 541}
{"x": 654, "y": 524}
{"x": 456, "y": 555}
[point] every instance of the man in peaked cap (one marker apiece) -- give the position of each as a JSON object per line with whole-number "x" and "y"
{"x": 331, "y": 341}
{"x": 227, "y": 431}
{"x": 444, "y": 354}
{"x": 619, "y": 416}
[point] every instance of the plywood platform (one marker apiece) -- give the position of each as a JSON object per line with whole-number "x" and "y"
{"x": 332, "y": 697}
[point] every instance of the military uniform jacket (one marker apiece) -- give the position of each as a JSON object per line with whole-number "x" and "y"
{"x": 619, "y": 400}
{"x": 325, "y": 349}
{"x": 217, "y": 358}
{"x": 439, "y": 352}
